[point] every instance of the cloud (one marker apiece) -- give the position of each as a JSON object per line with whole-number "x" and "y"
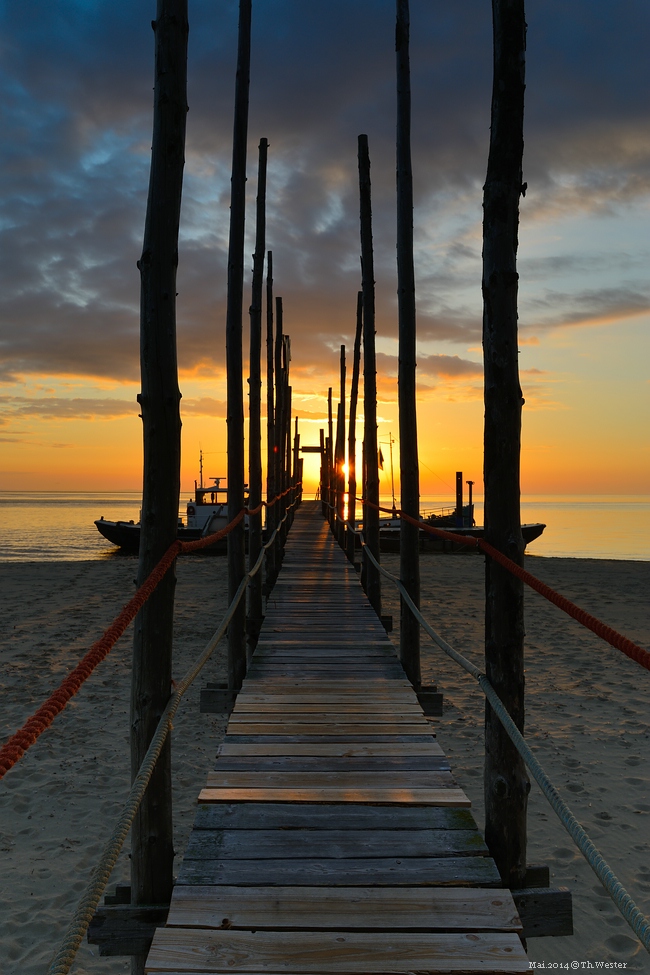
{"x": 598, "y": 306}
{"x": 448, "y": 366}
{"x": 205, "y": 406}
{"x": 61, "y": 408}
{"x": 74, "y": 161}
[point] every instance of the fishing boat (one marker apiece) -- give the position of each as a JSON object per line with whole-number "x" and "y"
{"x": 457, "y": 519}
{"x": 205, "y": 513}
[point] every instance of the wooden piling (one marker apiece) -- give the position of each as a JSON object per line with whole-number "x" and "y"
{"x": 331, "y": 483}
{"x": 409, "y": 647}
{"x": 254, "y": 620}
{"x": 271, "y": 489}
{"x": 371, "y": 487}
{"x": 506, "y": 780}
{"x": 340, "y": 457}
{"x": 234, "y": 363}
{"x": 352, "y": 434}
{"x": 323, "y": 472}
{"x": 152, "y": 854}
{"x": 278, "y": 429}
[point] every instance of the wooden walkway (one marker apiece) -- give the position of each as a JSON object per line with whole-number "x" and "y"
{"x": 332, "y": 837}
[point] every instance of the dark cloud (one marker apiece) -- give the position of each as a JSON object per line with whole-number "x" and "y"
{"x": 439, "y": 366}
{"x": 61, "y": 408}
{"x": 205, "y": 406}
{"x": 597, "y": 306}
{"x": 76, "y": 91}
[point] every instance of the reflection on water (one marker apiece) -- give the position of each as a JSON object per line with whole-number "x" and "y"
{"x": 44, "y": 527}
{"x": 37, "y": 527}
{"x": 585, "y": 527}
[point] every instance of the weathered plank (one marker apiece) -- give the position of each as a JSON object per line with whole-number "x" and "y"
{"x": 348, "y": 739}
{"x": 300, "y": 844}
{"x": 289, "y": 816}
{"x": 346, "y": 749}
{"x": 465, "y": 871}
{"x": 381, "y": 779}
{"x": 189, "y": 950}
{"x": 343, "y": 909}
{"x": 335, "y": 793}
{"x": 401, "y": 709}
{"x": 310, "y": 763}
{"x": 341, "y": 729}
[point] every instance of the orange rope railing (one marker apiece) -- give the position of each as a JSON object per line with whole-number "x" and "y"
{"x": 607, "y": 633}
{"x": 13, "y": 749}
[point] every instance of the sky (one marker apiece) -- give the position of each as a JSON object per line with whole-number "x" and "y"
{"x": 76, "y": 100}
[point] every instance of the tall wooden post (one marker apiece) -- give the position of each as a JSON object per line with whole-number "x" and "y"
{"x": 340, "y": 458}
{"x": 152, "y": 855}
{"x": 271, "y": 489}
{"x": 254, "y": 622}
{"x": 506, "y": 781}
{"x": 352, "y": 434}
{"x": 331, "y": 484}
{"x": 371, "y": 490}
{"x": 279, "y": 427}
{"x": 323, "y": 472}
{"x": 409, "y": 545}
{"x": 286, "y": 453}
{"x": 296, "y": 453}
{"x": 234, "y": 364}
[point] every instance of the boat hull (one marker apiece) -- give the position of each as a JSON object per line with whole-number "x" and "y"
{"x": 389, "y": 539}
{"x": 126, "y": 535}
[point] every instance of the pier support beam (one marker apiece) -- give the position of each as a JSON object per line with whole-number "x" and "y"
{"x": 409, "y": 570}
{"x": 506, "y": 780}
{"x": 152, "y": 852}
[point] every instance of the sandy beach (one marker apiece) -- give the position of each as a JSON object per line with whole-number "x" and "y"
{"x": 588, "y": 720}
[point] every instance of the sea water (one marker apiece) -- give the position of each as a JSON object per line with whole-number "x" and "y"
{"x": 50, "y": 527}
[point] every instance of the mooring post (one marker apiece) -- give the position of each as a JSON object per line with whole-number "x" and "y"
{"x": 254, "y": 620}
{"x": 331, "y": 482}
{"x": 280, "y": 407}
{"x": 371, "y": 489}
{"x": 234, "y": 359}
{"x": 506, "y": 780}
{"x": 459, "y": 499}
{"x": 409, "y": 544}
{"x": 352, "y": 435}
{"x": 340, "y": 457}
{"x": 323, "y": 472}
{"x": 152, "y": 851}
{"x": 271, "y": 510}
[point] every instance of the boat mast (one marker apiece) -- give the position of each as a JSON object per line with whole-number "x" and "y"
{"x": 200, "y": 468}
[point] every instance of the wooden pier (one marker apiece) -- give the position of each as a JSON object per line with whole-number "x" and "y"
{"x": 331, "y": 836}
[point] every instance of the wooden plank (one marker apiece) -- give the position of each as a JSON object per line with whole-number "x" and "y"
{"x": 340, "y": 729}
{"x": 301, "y": 844}
{"x": 286, "y": 815}
{"x": 344, "y": 909}
{"x": 357, "y": 707}
{"x": 310, "y": 763}
{"x": 371, "y": 687}
{"x": 314, "y": 695}
{"x": 346, "y": 749}
{"x": 360, "y": 738}
{"x": 349, "y": 781}
{"x": 357, "y": 953}
{"x": 388, "y": 796}
{"x": 463, "y": 871}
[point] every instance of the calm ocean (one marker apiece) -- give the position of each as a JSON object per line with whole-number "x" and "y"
{"x": 59, "y": 527}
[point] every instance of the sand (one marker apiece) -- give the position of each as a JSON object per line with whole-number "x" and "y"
{"x": 588, "y": 721}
